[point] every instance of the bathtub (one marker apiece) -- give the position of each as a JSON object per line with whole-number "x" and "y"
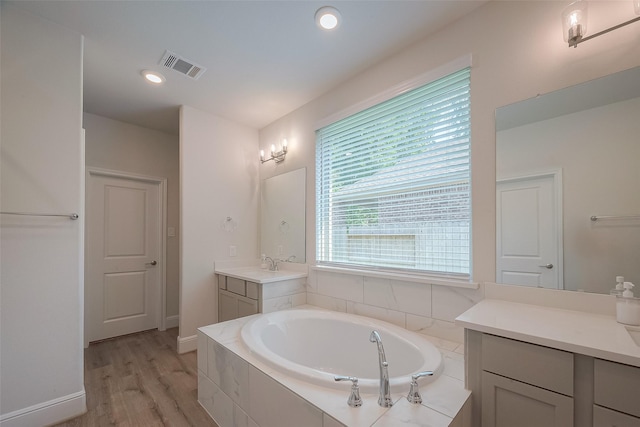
{"x": 315, "y": 345}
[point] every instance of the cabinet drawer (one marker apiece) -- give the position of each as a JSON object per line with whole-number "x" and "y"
{"x": 532, "y": 364}
{"x": 617, "y": 386}
{"x": 222, "y": 282}
{"x": 603, "y": 417}
{"x": 237, "y": 286}
{"x": 252, "y": 290}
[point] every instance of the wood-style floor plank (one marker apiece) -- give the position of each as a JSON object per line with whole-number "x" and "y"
{"x": 140, "y": 380}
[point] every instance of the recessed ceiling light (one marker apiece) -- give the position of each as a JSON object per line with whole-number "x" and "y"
{"x": 153, "y": 77}
{"x": 327, "y": 18}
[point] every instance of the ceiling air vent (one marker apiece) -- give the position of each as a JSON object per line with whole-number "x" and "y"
{"x": 182, "y": 65}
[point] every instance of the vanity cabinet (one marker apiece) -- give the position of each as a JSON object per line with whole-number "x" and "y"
{"x": 525, "y": 385}
{"x": 237, "y": 298}
{"x": 569, "y": 367}
{"x": 515, "y": 383}
{"x": 246, "y": 291}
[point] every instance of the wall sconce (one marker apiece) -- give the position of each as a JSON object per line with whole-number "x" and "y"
{"x": 574, "y": 22}
{"x": 276, "y": 156}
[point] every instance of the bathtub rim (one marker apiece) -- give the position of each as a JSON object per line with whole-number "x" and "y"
{"x": 399, "y": 384}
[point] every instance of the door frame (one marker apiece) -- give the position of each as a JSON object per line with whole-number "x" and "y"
{"x": 162, "y": 187}
{"x": 556, "y": 175}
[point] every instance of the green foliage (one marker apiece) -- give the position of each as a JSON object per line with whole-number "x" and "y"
{"x": 361, "y": 215}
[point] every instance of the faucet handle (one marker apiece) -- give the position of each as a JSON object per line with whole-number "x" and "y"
{"x": 354, "y": 398}
{"x": 414, "y": 390}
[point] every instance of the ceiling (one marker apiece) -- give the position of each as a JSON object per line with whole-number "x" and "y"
{"x": 616, "y": 87}
{"x": 264, "y": 59}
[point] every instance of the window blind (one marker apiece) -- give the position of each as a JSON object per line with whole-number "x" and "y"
{"x": 392, "y": 183}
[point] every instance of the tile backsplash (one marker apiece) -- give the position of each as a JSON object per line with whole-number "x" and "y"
{"x": 425, "y": 308}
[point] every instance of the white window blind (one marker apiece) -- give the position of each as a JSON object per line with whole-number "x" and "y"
{"x": 392, "y": 183}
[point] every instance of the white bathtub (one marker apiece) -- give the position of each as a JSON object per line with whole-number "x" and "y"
{"x": 315, "y": 345}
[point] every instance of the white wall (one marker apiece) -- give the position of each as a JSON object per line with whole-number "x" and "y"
{"x": 115, "y": 145}
{"x": 518, "y": 52}
{"x": 218, "y": 179}
{"x": 41, "y": 359}
{"x": 598, "y": 152}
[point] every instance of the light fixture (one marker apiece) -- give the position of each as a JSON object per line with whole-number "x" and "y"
{"x": 276, "y": 156}
{"x": 327, "y": 18}
{"x": 153, "y": 77}
{"x": 574, "y": 22}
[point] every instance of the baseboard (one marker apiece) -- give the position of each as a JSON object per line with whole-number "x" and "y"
{"x": 48, "y": 413}
{"x": 187, "y": 344}
{"x": 172, "y": 321}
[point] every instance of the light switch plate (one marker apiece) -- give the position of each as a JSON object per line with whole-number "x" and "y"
{"x": 232, "y": 251}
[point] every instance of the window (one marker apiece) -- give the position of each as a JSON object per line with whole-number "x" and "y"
{"x": 393, "y": 183}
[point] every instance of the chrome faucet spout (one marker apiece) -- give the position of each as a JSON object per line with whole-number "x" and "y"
{"x": 385, "y": 390}
{"x": 273, "y": 263}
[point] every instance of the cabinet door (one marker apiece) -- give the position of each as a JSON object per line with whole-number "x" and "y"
{"x": 227, "y": 306}
{"x": 247, "y": 307}
{"x": 509, "y": 403}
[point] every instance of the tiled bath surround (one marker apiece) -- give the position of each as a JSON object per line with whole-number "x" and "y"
{"x": 239, "y": 390}
{"x": 227, "y": 371}
{"x": 282, "y": 295}
{"x": 424, "y": 308}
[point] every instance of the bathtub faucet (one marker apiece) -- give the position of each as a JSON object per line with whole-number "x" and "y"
{"x": 385, "y": 391}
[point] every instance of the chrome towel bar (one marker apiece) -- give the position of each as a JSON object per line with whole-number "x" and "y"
{"x": 72, "y": 216}
{"x": 599, "y": 217}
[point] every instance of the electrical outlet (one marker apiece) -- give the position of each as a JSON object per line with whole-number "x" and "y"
{"x": 280, "y": 250}
{"x": 232, "y": 251}
{"x": 171, "y": 232}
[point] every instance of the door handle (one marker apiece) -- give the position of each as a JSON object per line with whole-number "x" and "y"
{"x": 152, "y": 263}
{"x": 549, "y": 266}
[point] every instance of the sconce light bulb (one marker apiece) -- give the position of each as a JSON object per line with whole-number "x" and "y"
{"x": 284, "y": 145}
{"x": 261, "y": 154}
{"x": 574, "y": 22}
{"x": 273, "y": 149}
{"x": 573, "y": 18}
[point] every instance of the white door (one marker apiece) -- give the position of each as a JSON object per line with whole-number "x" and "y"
{"x": 123, "y": 255}
{"x": 529, "y": 232}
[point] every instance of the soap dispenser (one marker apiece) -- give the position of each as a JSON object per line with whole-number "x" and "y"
{"x": 263, "y": 262}
{"x": 628, "y": 307}
{"x": 617, "y": 291}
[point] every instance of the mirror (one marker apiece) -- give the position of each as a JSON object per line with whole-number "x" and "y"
{"x": 561, "y": 159}
{"x": 282, "y": 221}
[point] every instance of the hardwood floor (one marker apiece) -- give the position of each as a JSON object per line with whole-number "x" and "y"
{"x": 140, "y": 380}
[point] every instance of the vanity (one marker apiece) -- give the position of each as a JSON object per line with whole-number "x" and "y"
{"x": 243, "y": 291}
{"x": 533, "y": 365}
{"x": 243, "y": 288}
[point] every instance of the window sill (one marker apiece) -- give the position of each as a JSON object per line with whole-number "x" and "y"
{"x": 406, "y": 277}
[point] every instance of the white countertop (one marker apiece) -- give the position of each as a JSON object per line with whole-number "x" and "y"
{"x": 258, "y": 275}
{"x": 575, "y": 331}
